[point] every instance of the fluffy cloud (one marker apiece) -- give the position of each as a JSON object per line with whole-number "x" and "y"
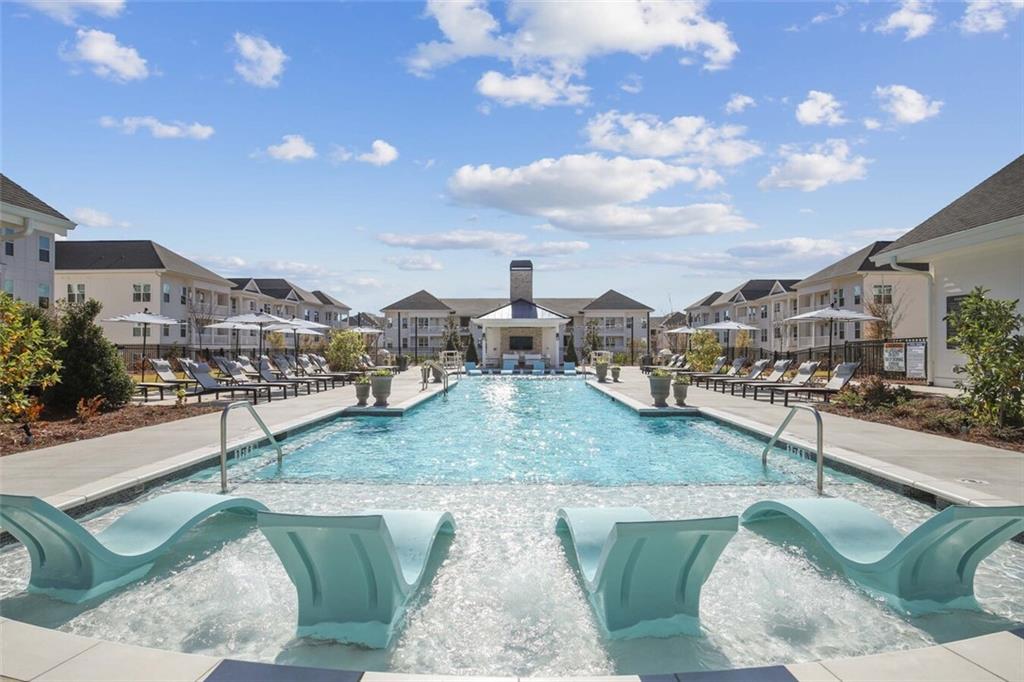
{"x": 260, "y": 63}
{"x": 533, "y": 90}
{"x": 91, "y": 217}
{"x": 633, "y": 84}
{"x": 872, "y": 123}
{"x": 67, "y": 11}
{"x": 792, "y": 247}
{"x": 820, "y": 107}
{"x": 738, "y": 103}
{"x": 651, "y": 222}
{"x": 381, "y": 154}
{"x": 157, "y": 128}
{"x": 108, "y": 58}
{"x": 825, "y": 164}
{"x": 292, "y": 148}
{"x": 914, "y": 17}
{"x": 907, "y": 105}
{"x": 691, "y": 138}
{"x": 499, "y": 243}
{"x": 989, "y": 16}
{"x": 791, "y": 256}
{"x": 418, "y": 261}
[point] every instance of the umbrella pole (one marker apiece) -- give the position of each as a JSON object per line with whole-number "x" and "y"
{"x": 259, "y": 360}
{"x": 145, "y": 331}
{"x": 830, "y": 325}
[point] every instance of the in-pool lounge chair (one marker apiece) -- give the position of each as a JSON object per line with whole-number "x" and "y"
{"x": 471, "y": 369}
{"x": 539, "y": 367}
{"x": 72, "y": 565}
{"x": 569, "y": 368}
{"x": 643, "y": 577}
{"x": 355, "y": 574}
{"x": 207, "y": 384}
{"x": 508, "y": 365}
{"x": 840, "y": 377}
{"x": 775, "y": 376}
{"x": 756, "y": 370}
{"x": 734, "y": 369}
{"x": 804, "y": 373}
{"x": 238, "y": 375}
{"x": 931, "y": 568}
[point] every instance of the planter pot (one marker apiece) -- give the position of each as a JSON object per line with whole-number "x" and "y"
{"x": 660, "y": 388}
{"x": 362, "y": 393}
{"x": 381, "y": 387}
{"x": 679, "y": 391}
{"x": 403, "y": 363}
{"x": 438, "y": 375}
{"x": 615, "y": 373}
{"x": 602, "y": 372}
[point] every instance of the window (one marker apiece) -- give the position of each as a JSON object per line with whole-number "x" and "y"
{"x": 856, "y": 295}
{"x": 316, "y": 316}
{"x": 183, "y": 330}
{"x": 405, "y": 323}
{"x": 952, "y": 305}
{"x": 777, "y": 308}
{"x": 718, "y": 317}
{"x": 856, "y": 330}
{"x": 9, "y": 287}
{"x": 795, "y": 332}
{"x": 44, "y": 295}
{"x": 882, "y": 294}
{"x": 823, "y": 298}
{"x": 44, "y": 249}
{"x": 841, "y": 329}
{"x": 422, "y": 322}
{"x": 8, "y": 243}
{"x": 520, "y": 343}
{"x": 839, "y": 296}
{"x": 610, "y": 322}
{"x": 167, "y": 330}
{"x": 764, "y": 312}
{"x": 222, "y": 299}
{"x": 166, "y": 291}
{"x": 76, "y": 293}
{"x": 252, "y": 306}
{"x": 764, "y": 335}
{"x": 140, "y": 330}
{"x": 778, "y": 332}
{"x": 140, "y": 293}
{"x": 405, "y": 342}
{"x": 201, "y": 295}
{"x": 184, "y": 295}
{"x": 422, "y": 342}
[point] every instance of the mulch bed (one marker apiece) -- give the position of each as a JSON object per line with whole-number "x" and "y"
{"x": 54, "y": 430}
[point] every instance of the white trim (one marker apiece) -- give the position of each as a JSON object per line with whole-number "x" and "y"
{"x": 1009, "y": 227}
{"x": 52, "y": 223}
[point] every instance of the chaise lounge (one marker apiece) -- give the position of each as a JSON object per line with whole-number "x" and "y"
{"x": 207, "y": 384}
{"x": 756, "y": 370}
{"x": 775, "y": 376}
{"x": 840, "y": 377}
{"x": 804, "y": 373}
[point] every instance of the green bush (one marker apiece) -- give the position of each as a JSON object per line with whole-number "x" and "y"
{"x": 471, "y": 354}
{"x": 345, "y": 350}
{"x": 570, "y": 350}
{"x": 91, "y": 364}
{"x": 704, "y": 349}
{"x": 620, "y": 359}
{"x": 28, "y": 359}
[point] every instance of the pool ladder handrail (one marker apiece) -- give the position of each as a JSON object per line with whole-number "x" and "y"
{"x": 821, "y": 451}
{"x": 224, "y": 438}
{"x": 444, "y": 374}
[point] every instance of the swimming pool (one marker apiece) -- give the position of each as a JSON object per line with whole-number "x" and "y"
{"x": 502, "y": 454}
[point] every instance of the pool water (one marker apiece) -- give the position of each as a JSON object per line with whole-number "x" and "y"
{"x": 502, "y": 454}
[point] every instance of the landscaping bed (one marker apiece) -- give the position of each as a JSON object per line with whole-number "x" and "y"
{"x": 58, "y": 429}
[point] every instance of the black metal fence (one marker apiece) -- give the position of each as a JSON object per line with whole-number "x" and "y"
{"x": 133, "y": 355}
{"x": 908, "y": 357}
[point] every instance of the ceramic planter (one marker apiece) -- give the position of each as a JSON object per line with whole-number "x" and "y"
{"x": 615, "y": 373}
{"x": 660, "y": 388}
{"x": 362, "y": 393}
{"x": 381, "y": 387}
{"x": 679, "y": 391}
{"x": 602, "y": 372}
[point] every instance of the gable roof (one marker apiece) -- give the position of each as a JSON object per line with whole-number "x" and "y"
{"x": 707, "y": 300}
{"x": 280, "y": 288}
{"x": 786, "y": 284}
{"x": 858, "y": 261}
{"x": 14, "y": 194}
{"x": 613, "y": 300}
{"x": 676, "y": 319}
{"x": 327, "y": 299}
{"x": 998, "y": 197}
{"x": 365, "y": 320}
{"x": 421, "y": 300}
{"x": 521, "y": 309}
{"x": 128, "y": 254}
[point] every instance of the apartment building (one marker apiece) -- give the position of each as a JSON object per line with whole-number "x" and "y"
{"x": 286, "y": 299}
{"x": 29, "y": 228}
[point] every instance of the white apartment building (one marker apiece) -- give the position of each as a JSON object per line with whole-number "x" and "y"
{"x": 29, "y": 228}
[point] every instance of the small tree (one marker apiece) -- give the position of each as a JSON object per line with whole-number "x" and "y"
{"x": 200, "y": 314}
{"x": 889, "y": 314}
{"x": 345, "y": 350}
{"x": 452, "y": 339}
{"x": 704, "y": 349}
{"x": 91, "y": 364}
{"x": 591, "y": 338}
{"x": 988, "y": 333}
{"x": 471, "y": 354}
{"x": 275, "y": 341}
{"x": 742, "y": 340}
{"x": 27, "y": 360}
{"x": 570, "y": 350}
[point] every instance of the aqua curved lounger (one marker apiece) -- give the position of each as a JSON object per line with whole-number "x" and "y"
{"x": 72, "y": 565}
{"x": 354, "y": 574}
{"x": 643, "y": 577}
{"x": 931, "y": 568}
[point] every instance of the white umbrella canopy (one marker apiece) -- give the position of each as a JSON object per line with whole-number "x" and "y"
{"x": 239, "y": 326}
{"x": 728, "y": 326}
{"x": 682, "y": 330}
{"x": 308, "y": 324}
{"x": 365, "y": 330}
{"x": 832, "y": 315}
{"x": 261, "y": 320}
{"x": 289, "y": 329}
{"x": 145, "y": 318}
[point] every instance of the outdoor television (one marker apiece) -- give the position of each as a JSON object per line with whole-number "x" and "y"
{"x": 520, "y": 343}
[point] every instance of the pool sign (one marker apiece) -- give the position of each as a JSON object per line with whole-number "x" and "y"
{"x": 915, "y": 360}
{"x": 894, "y": 356}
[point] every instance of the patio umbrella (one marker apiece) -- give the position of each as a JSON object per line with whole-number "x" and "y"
{"x": 728, "y": 326}
{"x": 145, "y": 318}
{"x": 683, "y": 330}
{"x": 833, "y": 315}
{"x": 291, "y": 328}
{"x": 261, "y": 320}
{"x": 236, "y": 326}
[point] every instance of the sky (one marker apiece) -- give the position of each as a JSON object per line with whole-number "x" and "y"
{"x": 662, "y": 149}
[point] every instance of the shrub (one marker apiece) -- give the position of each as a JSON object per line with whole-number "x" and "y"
{"x": 471, "y": 354}
{"x": 363, "y": 379}
{"x": 680, "y": 379}
{"x": 27, "y": 360}
{"x": 704, "y": 348}
{"x": 659, "y": 373}
{"x": 849, "y": 398}
{"x": 345, "y": 351}
{"x": 87, "y": 408}
{"x": 91, "y": 365}
{"x": 570, "y": 350}
{"x": 620, "y": 359}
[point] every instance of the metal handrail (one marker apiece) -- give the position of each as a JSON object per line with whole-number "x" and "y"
{"x": 444, "y": 373}
{"x": 224, "y": 439}
{"x": 821, "y": 451}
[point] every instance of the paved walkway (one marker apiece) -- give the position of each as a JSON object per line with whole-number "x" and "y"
{"x": 933, "y": 463}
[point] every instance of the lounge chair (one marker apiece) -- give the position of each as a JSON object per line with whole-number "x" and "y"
{"x": 756, "y": 370}
{"x": 734, "y": 369}
{"x": 508, "y": 366}
{"x": 311, "y": 370}
{"x": 167, "y": 375}
{"x": 284, "y": 366}
{"x": 207, "y": 384}
{"x": 238, "y": 375}
{"x": 72, "y": 565}
{"x": 643, "y": 577}
{"x": 355, "y": 574}
{"x": 569, "y": 368}
{"x": 471, "y": 369}
{"x": 804, "y": 373}
{"x": 929, "y": 569}
{"x": 268, "y": 377}
{"x": 145, "y": 387}
{"x": 715, "y": 368}
{"x": 840, "y": 377}
{"x": 539, "y": 367}
{"x": 247, "y": 365}
{"x": 233, "y": 369}
{"x": 775, "y": 376}
{"x": 683, "y": 366}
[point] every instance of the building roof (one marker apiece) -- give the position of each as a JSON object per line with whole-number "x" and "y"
{"x": 128, "y": 254}
{"x": 613, "y": 300}
{"x": 858, "y": 261}
{"x": 421, "y": 300}
{"x": 521, "y": 265}
{"x": 521, "y": 309}
{"x": 365, "y": 320}
{"x": 998, "y": 197}
{"x": 475, "y": 307}
{"x": 787, "y": 284}
{"x": 676, "y": 319}
{"x": 707, "y": 300}
{"x": 327, "y": 299}
{"x": 277, "y": 287}
{"x": 16, "y": 195}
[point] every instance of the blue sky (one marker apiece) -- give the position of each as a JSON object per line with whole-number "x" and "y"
{"x": 375, "y": 149}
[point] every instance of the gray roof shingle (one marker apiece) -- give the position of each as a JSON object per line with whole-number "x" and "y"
{"x": 421, "y": 300}
{"x": 858, "y": 261}
{"x": 613, "y": 300}
{"x": 707, "y": 300}
{"x": 16, "y": 195}
{"x": 127, "y": 254}
{"x": 327, "y": 299}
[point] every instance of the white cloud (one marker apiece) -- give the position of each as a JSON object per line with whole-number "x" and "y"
{"x": 825, "y": 164}
{"x": 91, "y": 217}
{"x": 791, "y": 247}
{"x": 418, "y": 261}
{"x": 340, "y": 154}
{"x": 157, "y": 128}
{"x": 791, "y": 256}
{"x": 914, "y": 17}
{"x": 499, "y": 243}
{"x": 872, "y": 123}
{"x": 260, "y": 63}
{"x": 879, "y": 233}
{"x": 806, "y": 210}
{"x": 738, "y": 102}
{"x": 292, "y": 148}
{"x": 108, "y": 58}
{"x": 381, "y": 154}
{"x": 989, "y": 16}
{"x": 837, "y": 11}
{"x": 820, "y": 107}
{"x": 533, "y": 90}
{"x": 691, "y": 138}
{"x": 633, "y": 84}
{"x": 907, "y": 105}
{"x": 651, "y": 222}
{"x": 67, "y": 11}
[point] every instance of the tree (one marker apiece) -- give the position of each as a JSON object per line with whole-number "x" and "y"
{"x": 570, "y": 350}
{"x": 27, "y": 360}
{"x": 591, "y": 338}
{"x": 200, "y": 314}
{"x": 988, "y": 332}
{"x": 275, "y": 341}
{"x": 704, "y": 349}
{"x": 742, "y": 340}
{"x": 345, "y": 350}
{"x": 890, "y": 314}
{"x": 452, "y": 339}
{"x": 91, "y": 364}
{"x": 471, "y": 354}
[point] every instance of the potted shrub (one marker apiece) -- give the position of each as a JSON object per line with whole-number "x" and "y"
{"x": 661, "y": 382}
{"x": 403, "y": 363}
{"x": 679, "y": 388}
{"x": 616, "y": 370}
{"x": 363, "y": 390}
{"x": 380, "y": 384}
{"x": 602, "y": 371}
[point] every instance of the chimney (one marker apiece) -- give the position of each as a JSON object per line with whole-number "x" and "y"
{"x": 520, "y": 280}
